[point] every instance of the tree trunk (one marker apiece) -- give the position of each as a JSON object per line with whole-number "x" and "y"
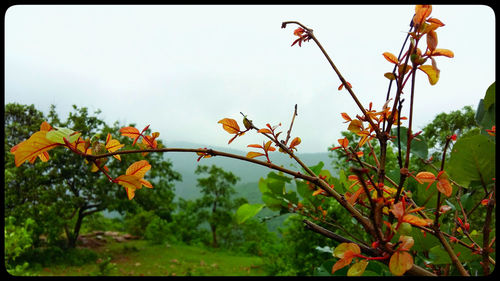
{"x": 73, "y": 237}
{"x": 214, "y": 236}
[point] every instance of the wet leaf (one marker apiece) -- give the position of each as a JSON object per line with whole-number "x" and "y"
{"x": 358, "y": 268}
{"x": 400, "y": 262}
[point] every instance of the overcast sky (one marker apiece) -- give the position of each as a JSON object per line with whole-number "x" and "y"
{"x": 183, "y": 68}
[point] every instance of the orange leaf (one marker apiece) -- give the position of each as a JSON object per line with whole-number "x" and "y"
{"x": 443, "y": 52}
{"x": 29, "y": 149}
{"x": 411, "y": 219}
{"x": 346, "y": 117}
{"x": 138, "y": 169}
{"x": 421, "y": 13}
{"x": 342, "y": 85}
{"x": 296, "y": 141}
{"x": 340, "y": 264}
{"x": 267, "y": 146}
{"x": 400, "y": 262}
{"x": 432, "y": 73}
{"x": 230, "y": 125}
{"x": 390, "y": 58}
{"x": 45, "y": 126}
{"x": 406, "y": 243}
{"x": 444, "y": 186}
{"x": 432, "y": 40}
{"x": 264, "y": 130}
{"x": 435, "y": 21}
{"x": 255, "y": 145}
{"x": 130, "y": 182}
{"x": 426, "y": 177}
{"x": 146, "y": 183}
{"x": 253, "y": 154}
{"x": 398, "y": 210}
{"x": 343, "y": 142}
{"x": 130, "y": 132}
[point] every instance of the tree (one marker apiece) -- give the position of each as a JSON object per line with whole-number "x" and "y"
{"x": 458, "y": 122}
{"x": 216, "y": 203}
{"x": 61, "y": 196}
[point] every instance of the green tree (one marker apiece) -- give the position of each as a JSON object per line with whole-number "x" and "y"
{"x": 61, "y": 195}
{"x": 216, "y": 204}
{"x": 457, "y": 122}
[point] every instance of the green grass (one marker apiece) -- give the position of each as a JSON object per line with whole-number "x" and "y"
{"x": 139, "y": 258}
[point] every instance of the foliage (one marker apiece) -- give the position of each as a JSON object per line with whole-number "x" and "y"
{"x": 216, "y": 204}
{"x": 17, "y": 241}
{"x": 158, "y": 231}
{"x": 376, "y": 194}
{"x": 136, "y": 223}
{"x": 61, "y": 196}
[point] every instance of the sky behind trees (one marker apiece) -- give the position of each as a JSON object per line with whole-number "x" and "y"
{"x": 183, "y": 68}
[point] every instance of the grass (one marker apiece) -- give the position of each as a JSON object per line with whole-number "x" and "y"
{"x": 139, "y": 258}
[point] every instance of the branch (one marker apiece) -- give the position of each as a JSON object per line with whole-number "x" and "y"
{"x": 415, "y": 269}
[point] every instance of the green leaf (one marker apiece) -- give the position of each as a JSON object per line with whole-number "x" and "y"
{"x": 271, "y": 202}
{"x": 303, "y": 189}
{"x": 438, "y": 255}
{"x": 60, "y": 133}
{"x": 292, "y": 197}
{"x": 472, "y": 159}
{"x": 263, "y": 186}
{"x": 276, "y": 187}
{"x": 279, "y": 177}
{"x": 489, "y": 97}
{"x": 247, "y": 211}
{"x": 317, "y": 168}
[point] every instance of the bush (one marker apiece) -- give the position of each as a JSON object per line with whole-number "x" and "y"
{"x": 136, "y": 224}
{"x": 17, "y": 241}
{"x": 97, "y": 221}
{"x": 46, "y": 257}
{"x": 158, "y": 231}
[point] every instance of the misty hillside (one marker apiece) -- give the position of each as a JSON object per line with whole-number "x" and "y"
{"x": 249, "y": 173}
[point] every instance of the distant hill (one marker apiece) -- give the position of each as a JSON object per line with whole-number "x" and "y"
{"x": 249, "y": 173}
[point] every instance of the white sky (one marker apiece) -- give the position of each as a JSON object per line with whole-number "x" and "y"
{"x": 183, "y": 68}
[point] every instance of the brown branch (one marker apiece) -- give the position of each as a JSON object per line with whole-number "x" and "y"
{"x": 414, "y": 270}
{"x": 291, "y": 125}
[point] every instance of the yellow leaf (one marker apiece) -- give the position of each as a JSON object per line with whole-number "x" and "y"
{"x": 253, "y": 154}
{"x": 131, "y": 183}
{"x": 432, "y": 73}
{"x": 230, "y": 125}
{"x": 355, "y": 126}
{"x": 342, "y": 248}
{"x": 358, "y": 268}
{"x": 390, "y": 76}
{"x": 29, "y": 149}
{"x": 443, "y": 52}
{"x": 400, "y": 262}
{"x": 146, "y": 183}
{"x": 390, "y": 58}
{"x": 138, "y": 168}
